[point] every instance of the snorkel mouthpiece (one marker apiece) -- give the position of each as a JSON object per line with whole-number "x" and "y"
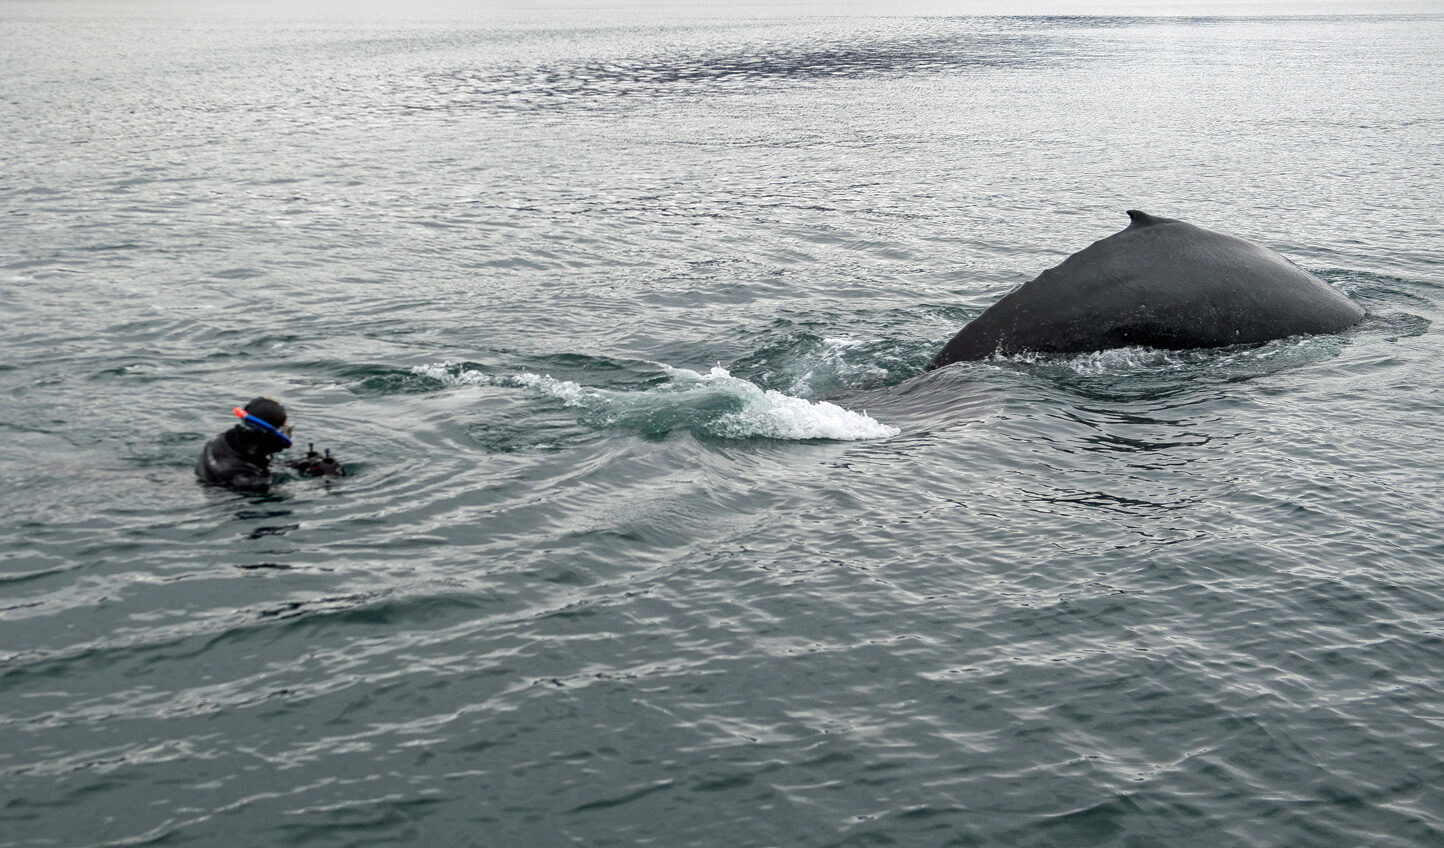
{"x": 262, "y": 425}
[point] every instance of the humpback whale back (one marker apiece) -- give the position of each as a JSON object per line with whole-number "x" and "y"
{"x": 1159, "y": 283}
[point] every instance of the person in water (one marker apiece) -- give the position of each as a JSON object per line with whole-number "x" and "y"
{"x": 240, "y": 458}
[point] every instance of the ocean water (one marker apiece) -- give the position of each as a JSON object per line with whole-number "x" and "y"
{"x": 656, "y": 531}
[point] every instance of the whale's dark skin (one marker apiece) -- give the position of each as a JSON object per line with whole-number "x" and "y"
{"x": 1159, "y": 283}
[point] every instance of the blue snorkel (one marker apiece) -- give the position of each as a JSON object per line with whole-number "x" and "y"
{"x": 262, "y": 425}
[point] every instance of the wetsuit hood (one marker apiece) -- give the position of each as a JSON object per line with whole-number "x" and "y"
{"x": 253, "y": 440}
{"x": 268, "y": 410}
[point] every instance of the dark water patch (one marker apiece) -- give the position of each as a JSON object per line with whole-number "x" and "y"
{"x": 99, "y": 248}
{"x": 361, "y": 610}
{"x": 27, "y": 576}
{"x": 389, "y": 819}
{"x": 605, "y": 371}
{"x": 247, "y": 340}
{"x": 606, "y": 82}
{"x": 533, "y": 433}
{"x": 238, "y": 274}
{"x": 141, "y": 372}
{"x": 624, "y": 798}
{"x": 266, "y": 566}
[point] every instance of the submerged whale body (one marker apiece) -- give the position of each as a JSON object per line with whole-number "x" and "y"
{"x": 1159, "y": 283}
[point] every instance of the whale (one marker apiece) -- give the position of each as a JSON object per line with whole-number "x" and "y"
{"x": 1159, "y": 283}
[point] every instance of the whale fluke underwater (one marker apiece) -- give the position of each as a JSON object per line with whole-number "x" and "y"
{"x": 1159, "y": 283}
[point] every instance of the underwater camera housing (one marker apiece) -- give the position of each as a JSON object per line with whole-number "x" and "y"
{"x": 317, "y": 464}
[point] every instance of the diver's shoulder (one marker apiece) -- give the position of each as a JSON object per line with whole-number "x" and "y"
{"x": 221, "y": 464}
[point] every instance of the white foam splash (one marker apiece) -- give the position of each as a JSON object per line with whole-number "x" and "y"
{"x": 770, "y": 414}
{"x": 1120, "y": 360}
{"x": 569, "y": 393}
{"x": 1124, "y": 360}
{"x": 453, "y": 375}
{"x": 708, "y": 403}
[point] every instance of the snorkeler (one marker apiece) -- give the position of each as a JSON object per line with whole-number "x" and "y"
{"x": 240, "y": 458}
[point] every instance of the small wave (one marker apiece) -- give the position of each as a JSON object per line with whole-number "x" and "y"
{"x": 713, "y": 404}
{"x": 1135, "y": 361}
{"x": 805, "y": 365}
{"x": 1122, "y": 360}
{"x": 1134, "y": 373}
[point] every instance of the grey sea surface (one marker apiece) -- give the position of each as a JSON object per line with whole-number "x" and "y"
{"x": 656, "y": 531}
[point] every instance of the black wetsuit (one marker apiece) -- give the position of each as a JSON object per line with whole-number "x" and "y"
{"x": 239, "y": 458}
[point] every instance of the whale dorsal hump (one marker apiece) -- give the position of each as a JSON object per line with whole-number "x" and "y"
{"x": 1143, "y": 219}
